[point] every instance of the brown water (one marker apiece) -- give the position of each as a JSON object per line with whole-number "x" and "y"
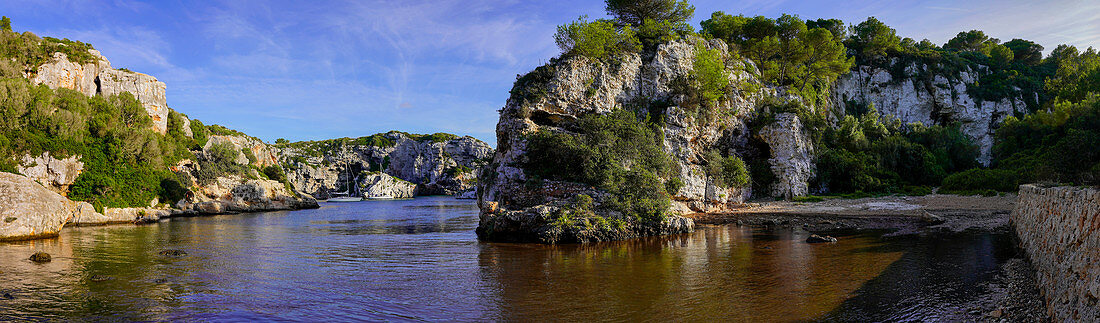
{"x": 419, "y": 260}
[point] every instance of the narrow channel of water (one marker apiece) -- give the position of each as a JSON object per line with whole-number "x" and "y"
{"x": 420, "y": 260}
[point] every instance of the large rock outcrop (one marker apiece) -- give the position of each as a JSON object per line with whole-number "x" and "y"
{"x": 792, "y": 156}
{"x": 1059, "y": 227}
{"x": 514, "y": 208}
{"x": 435, "y": 166}
{"x": 55, "y": 174}
{"x": 100, "y": 78}
{"x": 30, "y": 211}
{"x": 233, "y": 194}
{"x": 382, "y": 185}
{"x": 933, "y": 100}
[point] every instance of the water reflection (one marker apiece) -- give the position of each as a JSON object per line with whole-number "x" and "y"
{"x": 419, "y": 259}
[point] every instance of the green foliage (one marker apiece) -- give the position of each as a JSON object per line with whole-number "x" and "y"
{"x": 274, "y": 172}
{"x": 1025, "y": 52}
{"x": 635, "y": 12}
{"x": 617, "y": 153}
{"x": 864, "y": 154}
{"x": 28, "y": 51}
{"x": 249, "y": 155}
{"x": 219, "y": 160}
{"x": 970, "y": 41}
{"x": 786, "y": 51}
{"x": 709, "y": 73}
{"x": 979, "y": 180}
{"x": 872, "y": 39}
{"x": 125, "y": 163}
{"x": 728, "y": 171}
{"x": 1053, "y": 146}
{"x": 281, "y": 141}
{"x": 599, "y": 39}
{"x": 1076, "y": 74}
{"x": 673, "y": 185}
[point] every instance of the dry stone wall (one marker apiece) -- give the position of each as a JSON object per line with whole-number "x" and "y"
{"x": 1060, "y": 229}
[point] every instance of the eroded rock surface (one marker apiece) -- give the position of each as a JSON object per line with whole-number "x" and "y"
{"x": 55, "y": 174}
{"x": 30, "y": 211}
{"x": 100, "y": 78}
{"x": 435, "y": 167}
{"x": 513, "y": 208}
{"x": 382, "y": 185}
{"x": 939, "y": 100}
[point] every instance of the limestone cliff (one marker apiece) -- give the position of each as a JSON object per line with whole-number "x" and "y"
{"x": 55, "y": 174}
{"x": 436, "y": 164}
{"x": 99, "y": 78}
{"x": 932, "y": 100}
{"x": 29, "y": 211}
{"x": 516, "y": 208}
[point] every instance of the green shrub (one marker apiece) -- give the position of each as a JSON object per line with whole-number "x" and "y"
{"x": 979, "y": 180}
{"x": 599, "y": 39}
{"x": 617, "y": 153}
{"x": 709, "y": 73}
{"x": 274, "y": 172}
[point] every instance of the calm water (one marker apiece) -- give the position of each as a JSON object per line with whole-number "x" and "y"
{"x": 420, "y": 260}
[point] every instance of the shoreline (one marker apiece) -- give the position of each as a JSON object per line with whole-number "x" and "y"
{"x": 1011, "y": 295}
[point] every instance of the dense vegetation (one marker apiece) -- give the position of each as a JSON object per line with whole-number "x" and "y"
{"x": 858, "y": 150}
{"x": 125, "y": 163}
{"x": 619, "y": 153}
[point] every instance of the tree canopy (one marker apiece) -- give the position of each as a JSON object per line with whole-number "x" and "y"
{"x": 636, "y": 12}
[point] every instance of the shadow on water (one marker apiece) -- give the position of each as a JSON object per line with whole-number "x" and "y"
{"x": 934, "y": 280}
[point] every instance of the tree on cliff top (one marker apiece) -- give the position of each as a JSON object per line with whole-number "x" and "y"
{"x": 873, "y": 39}
{"x": 636, "y": 12}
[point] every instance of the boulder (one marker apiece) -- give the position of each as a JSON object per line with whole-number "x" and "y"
{"x": 41, "y": 257}
{"x": 30, "y": 211}
{"x": 820, "y": 239}
{"x": 233, "y": 194}
{"x": 382, "y": 185}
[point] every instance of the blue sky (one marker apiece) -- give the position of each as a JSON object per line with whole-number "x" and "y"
{"x": 306, "y": 70}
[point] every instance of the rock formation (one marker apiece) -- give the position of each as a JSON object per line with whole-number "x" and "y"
{"x": 100, "y": 78}
{"x": 435, "y": 166}
{"x": 515, "y": 209}
{"x": 233, "y": 194}
{"x": 791, "y": 156}
{"x": 30, "y": 211}
{"x": 938, "y": 100}
{"x": 55, "y": 174}
{"x": 382, "y": 185}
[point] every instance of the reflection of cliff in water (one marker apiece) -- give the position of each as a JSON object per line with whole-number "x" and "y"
{"x": 716, "y": 273}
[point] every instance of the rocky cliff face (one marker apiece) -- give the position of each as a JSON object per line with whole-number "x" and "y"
{"x": 233, "y": 194}
{"x": 55, "y": 174}
{"x": 514, "y": 208}
{"x": 434, "y": 166}
{"x": 382, "y": 185}
{"x": 940, "y": 100}
{"x": 100, "y": 78}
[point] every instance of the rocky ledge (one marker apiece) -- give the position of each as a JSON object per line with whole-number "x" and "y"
{"x": 517, "y": 206}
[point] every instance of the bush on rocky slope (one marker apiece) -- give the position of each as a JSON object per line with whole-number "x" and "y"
{"x": 618, "y": 153}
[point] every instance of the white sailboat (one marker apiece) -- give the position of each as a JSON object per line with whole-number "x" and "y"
{"x": 345, "y": 196}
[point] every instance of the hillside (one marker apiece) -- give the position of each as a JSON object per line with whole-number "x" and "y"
{"x": 642, "y": 121}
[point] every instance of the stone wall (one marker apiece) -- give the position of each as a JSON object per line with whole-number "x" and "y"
{"x": 1060, "y": 229}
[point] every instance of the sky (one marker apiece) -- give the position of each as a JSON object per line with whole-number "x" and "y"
{"x": 310, "y": 70}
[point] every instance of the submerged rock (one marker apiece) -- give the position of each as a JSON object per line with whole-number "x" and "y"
{"x": 41, "y": 257}
{"x": 820, "y": 239}
{"x": 173, "y": 253}
{"x": 99, "y": 278}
